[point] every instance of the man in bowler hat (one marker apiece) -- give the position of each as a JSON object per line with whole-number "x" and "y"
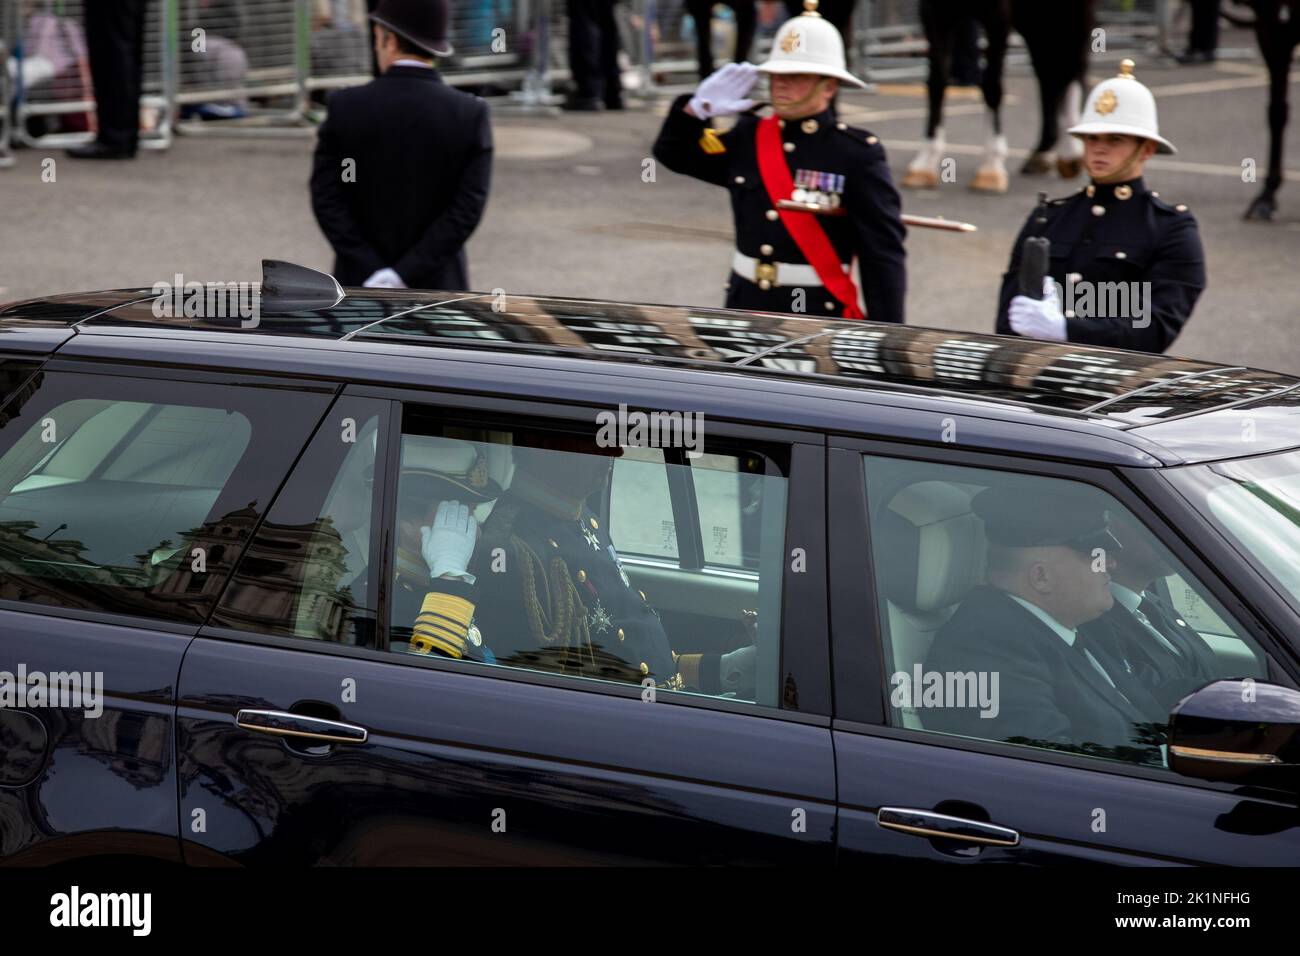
{"x": 403, "y": 164}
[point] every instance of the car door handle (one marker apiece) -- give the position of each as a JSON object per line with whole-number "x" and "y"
{"x": 927, "y": 823}
{"x": 284, "y": 724}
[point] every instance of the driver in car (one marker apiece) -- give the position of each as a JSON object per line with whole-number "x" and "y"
{"x": 550, "y": 592}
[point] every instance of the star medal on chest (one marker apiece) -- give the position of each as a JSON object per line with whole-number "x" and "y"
{"x": 822, "y": 192}
{"x": 590, "y": 534}
{"x": 598, "y": 619}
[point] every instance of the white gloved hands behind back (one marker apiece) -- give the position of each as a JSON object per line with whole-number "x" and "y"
{"x": 448, "y": 543}
{"x": 1039, "y": 318}
{"x": 725, "y": 91}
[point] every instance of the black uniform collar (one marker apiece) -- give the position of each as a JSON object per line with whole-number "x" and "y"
{"x": 1107, "y": 194}
{"x": 808, "y": 125}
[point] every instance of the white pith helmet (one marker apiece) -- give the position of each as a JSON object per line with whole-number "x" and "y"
{"x": 809, "y": 43}
{"x": 1122, "y": 105}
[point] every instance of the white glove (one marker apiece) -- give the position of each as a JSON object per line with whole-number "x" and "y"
{"x": 723, "y": 92}
{"x": 1039, "y": 318}
{"x": 384, "y": 279}
{"x": 736, "y": 670}
{"x": 449, "y": 542}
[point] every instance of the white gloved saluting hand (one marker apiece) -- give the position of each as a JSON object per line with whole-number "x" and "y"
{"x": 725, "y": 91}
{"x": 1039, "y": 318}
{"x": 448, "y": 543}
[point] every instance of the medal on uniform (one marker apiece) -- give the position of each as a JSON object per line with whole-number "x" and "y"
{"x": 598, "y": 619}
{"x": 589, "y": 535}
{"x": 475, "y": 635}
{"x": 816, "y": 192}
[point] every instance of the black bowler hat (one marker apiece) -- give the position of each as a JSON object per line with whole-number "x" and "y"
{"x": 1027, "y": 517}
{"x": 423, "y": 22}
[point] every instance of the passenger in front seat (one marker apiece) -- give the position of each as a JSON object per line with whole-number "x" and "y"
{"x": 1048, "y": 573}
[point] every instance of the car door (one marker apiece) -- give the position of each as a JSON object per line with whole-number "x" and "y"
{"x": 314, "y": 731}
{"x": 126, "y": 495}
{"x": 909, "y": 553}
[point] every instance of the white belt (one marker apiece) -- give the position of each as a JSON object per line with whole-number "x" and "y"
{"x": 777, "y": 273}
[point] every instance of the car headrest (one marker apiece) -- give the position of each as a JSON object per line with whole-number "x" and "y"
{"x": 935, "y": 545}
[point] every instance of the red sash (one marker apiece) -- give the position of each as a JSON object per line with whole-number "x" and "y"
{"x": 803, "y": 227}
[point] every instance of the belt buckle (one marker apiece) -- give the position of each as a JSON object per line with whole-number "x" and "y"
{"x": 765, "y": 275}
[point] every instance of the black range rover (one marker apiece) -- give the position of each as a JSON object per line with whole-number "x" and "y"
{"x": 813, "y": 609}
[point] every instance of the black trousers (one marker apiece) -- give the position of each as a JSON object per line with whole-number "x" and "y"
{"x": 1204, "y": 37}
{"x": 701, "y": 12}
{"x": 115, "y": 42}
{"x": 593, "y": 50}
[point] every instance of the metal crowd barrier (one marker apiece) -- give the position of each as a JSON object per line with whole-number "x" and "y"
{"x": 53, "y": 99}
{"x": 262, "y": 65}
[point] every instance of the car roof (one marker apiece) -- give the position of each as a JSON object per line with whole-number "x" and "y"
{"x": 1171, "y": 410}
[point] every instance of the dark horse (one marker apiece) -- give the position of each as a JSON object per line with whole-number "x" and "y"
{"x": 1277, "y": 30}
{"x": 1057, "y": 35}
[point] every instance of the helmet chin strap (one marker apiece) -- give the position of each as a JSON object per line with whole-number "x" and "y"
{"x": 1122, "y": 174}
{"x": 802, "y": 102}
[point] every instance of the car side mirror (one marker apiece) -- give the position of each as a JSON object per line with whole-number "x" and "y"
{"x": 1238, "y": 731}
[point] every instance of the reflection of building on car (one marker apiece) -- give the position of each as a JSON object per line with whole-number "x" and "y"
{"x": 556, "y": 596}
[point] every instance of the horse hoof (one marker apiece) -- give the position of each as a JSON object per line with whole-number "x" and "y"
{"x": 1069, "y": 168}
{"x": 921, "y": 179}
{"x": 1261, "y": 210}
{"x": 990, "y": 181}
{"x": 1038, "y": 164}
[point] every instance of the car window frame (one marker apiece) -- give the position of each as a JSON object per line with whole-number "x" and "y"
{"x": 861, "y": 685}
{"x": 805, "y": 650}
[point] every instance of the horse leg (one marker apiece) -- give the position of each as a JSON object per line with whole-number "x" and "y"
{"x": 1069, "y": 158}
{"x": 1277, "y": 53}
{"x": 923, "y": 170}
{"x": 992, "y": 173}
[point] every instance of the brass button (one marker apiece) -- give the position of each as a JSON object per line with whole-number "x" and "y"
{"x": 1099, "y": 210}
{"x": 1074, "y": 277}
{"x": 582, "y": 576}
{"x": 1156, "y": 194}
{"x": 1121, "y": 255}
{"x": 781, "y": 123}
{"x": 621, "y": 635}
{"x": 645, "y": 668}
{"x": 841, "y": 125}
{"x": 1069, "y": 313}
{"x": 809, "y": 126}
{"x": 1123, "y": 192}
{"x": 772, "y": 214}
{"x": 594, "y": 523}
{"x": 789, "y": 147}
{"x": 1181, "y": 207}
{"x": 830, "y": 306}
{"x": 764, "y": 284}
{"x": 873, "y": 140}
{"x": 765, "y": 250}
{"x": 553, "y": 544}
{"x": 740, "y": 179}
{"x": 1091, "y": 191}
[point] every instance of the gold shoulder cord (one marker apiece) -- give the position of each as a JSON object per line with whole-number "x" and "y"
{"x": 563, "y": 622}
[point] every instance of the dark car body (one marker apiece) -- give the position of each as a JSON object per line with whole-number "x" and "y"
{"x": 590, "y": 774}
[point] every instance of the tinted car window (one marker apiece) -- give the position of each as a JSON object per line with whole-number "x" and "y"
{"x": 310, "y": 572}
{"x": 13, "y": 373}
{"x": 136, "y": 496}
{"x": 501, "y": 556}
{"x": 1037, "y": 611}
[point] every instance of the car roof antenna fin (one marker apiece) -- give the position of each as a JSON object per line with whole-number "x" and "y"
{"x": 287, "y": 287}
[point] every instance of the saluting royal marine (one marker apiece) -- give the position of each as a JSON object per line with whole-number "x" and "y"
{"x": 1126, "y": 266}
{"x": 808, "y": 193}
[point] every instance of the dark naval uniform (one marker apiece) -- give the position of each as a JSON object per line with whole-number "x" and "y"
{"x": 1117, "y": 233}
{"x": 844, "y": 162}
{"x": 562, "y": 603}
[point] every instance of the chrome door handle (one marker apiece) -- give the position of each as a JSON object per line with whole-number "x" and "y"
{"x": 284, "y": 724}
{"x": 927, "y": 823}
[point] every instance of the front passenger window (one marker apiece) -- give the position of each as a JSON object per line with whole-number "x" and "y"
{"x": 1037, "y": 611}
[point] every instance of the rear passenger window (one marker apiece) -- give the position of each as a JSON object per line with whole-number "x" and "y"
{"x": 1038, "y": 611}
{"x": 503, "y": 554}
{"x": 136, "y": 496}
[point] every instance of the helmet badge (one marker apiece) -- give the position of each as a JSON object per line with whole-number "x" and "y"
{"x": 1107, "y": 102}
